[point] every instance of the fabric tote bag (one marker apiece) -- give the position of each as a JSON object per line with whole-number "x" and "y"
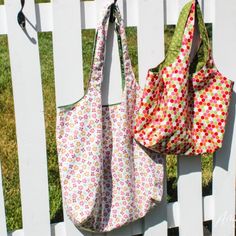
{"x": 107, "y": 178}
{"x": 185, "y": 102}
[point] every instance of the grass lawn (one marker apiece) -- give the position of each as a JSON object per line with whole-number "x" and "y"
{"x": 8, "y": 147}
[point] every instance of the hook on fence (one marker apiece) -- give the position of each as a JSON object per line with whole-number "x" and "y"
{"x": 112, "y": 18}
{"x": 21, "y": 17}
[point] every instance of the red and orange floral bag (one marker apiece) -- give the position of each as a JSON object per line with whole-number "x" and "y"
{"x": 185, "y": 102}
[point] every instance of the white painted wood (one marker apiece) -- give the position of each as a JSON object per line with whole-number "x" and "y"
{"x": 190, "y": 196}
{"x": 3, "y": 24}
{"x": 181, "y": 4}
{"x": 29, "y": 116}
{"x": 88, "y": 9}
{"x": 173, "y": 214}
{"x": 155, "y": 222}
{"x": 171, "y": 12}
{"x": 58, "y": 229}
{"x": 224, "y": 34}
{"x": 150, "y": 36}
{"x": 67, "y": 44}
{"x": 3, "y": 227}
{"x": 173, "y": 209}
{"x": 17, "y": 233}
{"x": 44, "y": 17}
{"x": 208, "y": 208}
{"x": 68, "y": 64}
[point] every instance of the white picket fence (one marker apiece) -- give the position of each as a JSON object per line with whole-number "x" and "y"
{"x": 66, "y": 18}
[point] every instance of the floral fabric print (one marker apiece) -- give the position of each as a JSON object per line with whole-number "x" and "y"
{"x": 107, "y": 178}
{"x": 184, "y": 105}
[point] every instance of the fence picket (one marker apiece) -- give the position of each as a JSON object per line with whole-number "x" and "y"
{"x": 150, "y": 37}
{"x": 224, "y": 34}
{"x": 30, "y": 127}
{"x": 150, "y": 30}
{"x": 190, "y": 196}
{"x": 155, "y": 222}
{"x": 67, "y": 45}
{"x": 189, "y": 175}
{"x": 68, "y": 64}
{"x": 66, "y": 19}
{"x": 3, "y": 227}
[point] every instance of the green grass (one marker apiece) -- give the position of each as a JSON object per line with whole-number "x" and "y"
{"x": 8, "y": 146}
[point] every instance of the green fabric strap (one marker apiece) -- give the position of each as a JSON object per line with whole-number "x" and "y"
{"x": 174, "y": 48}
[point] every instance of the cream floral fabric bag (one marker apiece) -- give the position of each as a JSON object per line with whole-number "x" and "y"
{"x": 108, "y": 180}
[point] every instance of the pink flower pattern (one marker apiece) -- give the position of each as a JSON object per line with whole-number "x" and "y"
{"x": 107, "y": 178}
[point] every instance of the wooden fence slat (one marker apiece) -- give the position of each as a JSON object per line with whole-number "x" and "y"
{"x": 190, "y": 196}
{"x": 3, "y": 227}
{"x": 44, "y": 17}
{"x": 30, "y": 127}
{"x": 88, "y": 9}
{"x": 68, "y": 64}
{"x": 150, "y": 36}
{"x": 190, "y": 189}
{"x": 17, "y": 233}
{"x": 67, "y": 45}
{"x": 173, "y": 214}
{"x": 224, "y": 47}
{"x": 155, "y": 222}
{"x": 58, "y": 229}
{"x": 208, "y": 207}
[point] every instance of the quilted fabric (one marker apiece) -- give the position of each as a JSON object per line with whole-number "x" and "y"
{"x": 107, "y": 178}
{"x": 185, "y": 102}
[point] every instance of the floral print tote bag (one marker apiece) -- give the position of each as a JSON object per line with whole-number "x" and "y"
{"x": 185, "y": 102}
{"x": 107, "y": 178}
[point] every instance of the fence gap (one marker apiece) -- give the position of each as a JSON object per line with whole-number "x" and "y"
{"x": 87, "y": 47}
{"x": 172, "y": 176}
{"x": 131, "y": 34}
{"x": 173, "y": 231}
{"x": 207, "y": 226}
{"x": 47, "y": 74}
{"x": 207, "y": 170}
{"x": 8, "y": 144}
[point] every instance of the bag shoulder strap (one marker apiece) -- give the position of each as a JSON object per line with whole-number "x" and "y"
{"x": 182, "y": 41}
{"x": 96, "y": 74}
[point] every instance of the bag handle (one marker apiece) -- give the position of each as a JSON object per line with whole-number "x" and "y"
{"x": 96, "y": 74}
{"x": 183, "y": 39}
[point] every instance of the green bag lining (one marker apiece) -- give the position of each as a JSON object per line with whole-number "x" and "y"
{"x": 202, "y": 54}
